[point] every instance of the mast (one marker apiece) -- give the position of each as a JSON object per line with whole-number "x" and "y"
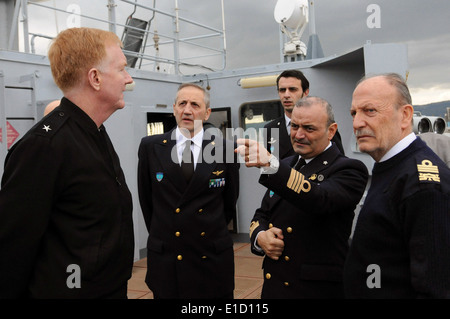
{"x": 314, "y": 48}
{"x": 7, "y": 26}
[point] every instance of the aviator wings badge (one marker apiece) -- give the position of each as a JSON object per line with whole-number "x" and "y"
{"x": 217, "y": 173}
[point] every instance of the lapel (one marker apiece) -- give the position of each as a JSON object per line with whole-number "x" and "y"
{"x": 165, "y": 151}
{"x": 320, "y": 162}
{"x": 285, "y": 148}
{"x": 203, "y": 170}
{"x": 312, "y": 169}
{"x": 285, "y": 141}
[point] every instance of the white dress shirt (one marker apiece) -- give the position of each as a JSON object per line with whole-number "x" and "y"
{"x": 196, "y": 145}
{"x": 288, "y": 124}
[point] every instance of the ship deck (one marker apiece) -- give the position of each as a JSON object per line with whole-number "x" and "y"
{"x": 248, "y": 274}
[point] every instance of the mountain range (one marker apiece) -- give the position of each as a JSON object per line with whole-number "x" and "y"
{"x": 433, "y": 109}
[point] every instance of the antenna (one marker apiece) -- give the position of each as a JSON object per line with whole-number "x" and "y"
{"x": 292, "y": 15}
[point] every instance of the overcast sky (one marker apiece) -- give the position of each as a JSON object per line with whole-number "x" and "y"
{"x": 252, "y": 34}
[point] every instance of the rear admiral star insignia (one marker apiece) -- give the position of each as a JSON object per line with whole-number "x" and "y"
{"x": 47, "y": 128}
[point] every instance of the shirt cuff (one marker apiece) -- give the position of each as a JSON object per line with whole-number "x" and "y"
{"x": 255, "y": 243}
{"x": 272, "y": 168}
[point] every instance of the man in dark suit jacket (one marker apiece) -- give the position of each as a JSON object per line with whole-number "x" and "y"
{"x": 306, "y": 215}
{"x": 190, "y": 250}
{"x": 292, "y": 85}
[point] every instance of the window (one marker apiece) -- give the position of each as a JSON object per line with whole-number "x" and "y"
{"x": 257, "y": 114}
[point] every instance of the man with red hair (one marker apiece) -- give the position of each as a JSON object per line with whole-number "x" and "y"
{"x": 65, "y": 208}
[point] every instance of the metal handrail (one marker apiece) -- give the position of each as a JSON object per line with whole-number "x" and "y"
{"x": 173, "y": 40}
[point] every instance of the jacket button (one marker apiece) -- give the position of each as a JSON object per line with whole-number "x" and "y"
{"x": 268, "y": 276}
{"x": 200, "y": 210}
{"x": 177, "y": 234}
{"x": 177, "y": 210}
{"x": 289, "y": 229}
{"x": 270, "y": 225}
{"x": 179, "y": 257}
{"x": 286, "y": 284}
{"x": 202, "y": 234}
{"x": 287, "y": 258}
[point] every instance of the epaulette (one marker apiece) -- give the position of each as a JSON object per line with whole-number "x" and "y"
{"x": 427, "y": 171}
{"x": 50, "y": 124}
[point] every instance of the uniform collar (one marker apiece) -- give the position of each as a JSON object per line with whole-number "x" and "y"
{"x": 79, "y": 116}
{"x": 307, "y": 160}
{"x": 400, "y": 146}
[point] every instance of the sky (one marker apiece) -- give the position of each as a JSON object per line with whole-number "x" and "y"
{"x": 253, "y": 36}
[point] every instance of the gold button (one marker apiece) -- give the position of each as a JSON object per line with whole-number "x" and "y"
{"x": 268, "y": 276}
{"x": 177, "y": 210}
{"x": 286, "y": 284}
{"x": 177, "y": 234}
{"x": 289, "y": 229}
{"x": 179, "y": 257}
{"x": 200, "y": 210}
{"x": 286, "y": 258}
{"x": 270, "y": 225}
{"x": 204, "y": 257}
{"x": 202, "y": 233}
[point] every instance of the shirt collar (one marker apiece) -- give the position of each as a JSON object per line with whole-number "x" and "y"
{"x": 287, "y": 119}
{"x": 197, "y": 139}
{"x": 307, "y": 160}
{"x": 400, "y": 146}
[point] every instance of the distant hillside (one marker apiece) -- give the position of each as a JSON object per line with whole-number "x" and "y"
{"x": 433, "y": 109}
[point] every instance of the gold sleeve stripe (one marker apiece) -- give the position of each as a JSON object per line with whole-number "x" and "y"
{"x": 253, "y": 226}
{"x": 291, "y": 179}
{"x": 294, "y": 181}
{"x": 297, "y": 182}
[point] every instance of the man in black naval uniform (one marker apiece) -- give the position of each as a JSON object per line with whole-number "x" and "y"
{"x": 190, "y": 249}
{"x": 305, "y": 218}
{"x": 292, "y": 85}
{"x": 401, "y": 244}
{"x": 65, "y": 208}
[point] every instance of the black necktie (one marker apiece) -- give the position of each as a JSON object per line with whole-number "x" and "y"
{"x": 300, "y": 164}
{"x": 187, "y": 162}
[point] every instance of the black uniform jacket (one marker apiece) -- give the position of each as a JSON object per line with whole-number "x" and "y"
{"x": 64, "y": 204}
{"x": 190, "y": 250}
{"x": 282, "y": 146}
{"x": 314, "y": 207}
{"x": 401, "y": 243}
